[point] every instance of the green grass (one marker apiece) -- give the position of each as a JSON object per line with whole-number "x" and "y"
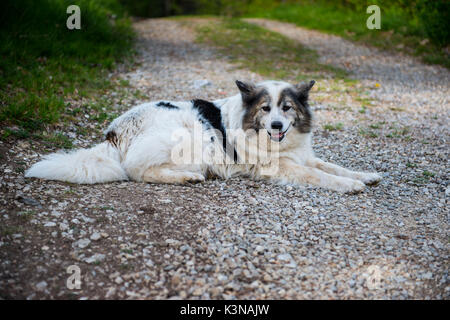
{"x": 423, "y": 178}
{"x": 377, "y": 125}
{"x": 25, "y": 216}
{"x": 368, "y": 133}
{"x": 428, "y": 174}
{"x": 399, "y": 30}
{"x": 57, "y": 140}
{"x": 48, "y": 139}
{"x": 42, "y": 63}
{"x": 363, "y": 109}
{"x": 411, "y": 165}
{"x": 334, "y": 127}
{"x": 9, "y": 230}
{"x": 262, "y": 51}
{"x": 399, "y": 133}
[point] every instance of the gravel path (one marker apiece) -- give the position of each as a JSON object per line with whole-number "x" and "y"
{"x": 241, "y": 239}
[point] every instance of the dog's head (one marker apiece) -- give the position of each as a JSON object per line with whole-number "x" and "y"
{"x": 276, "y": 107}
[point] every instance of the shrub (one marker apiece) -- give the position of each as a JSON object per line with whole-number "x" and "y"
{"x": 435, "y": 16}
{"x": 41, "y": 60}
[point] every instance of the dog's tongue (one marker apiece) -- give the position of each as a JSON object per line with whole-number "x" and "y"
{"x": 277, "y": 134}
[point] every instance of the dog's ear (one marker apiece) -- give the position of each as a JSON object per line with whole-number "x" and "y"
{"x": 303, "y": 90}
{"x": 247, "y": 90}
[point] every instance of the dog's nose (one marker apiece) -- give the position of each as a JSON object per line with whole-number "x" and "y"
{"x": 277, "y": 125}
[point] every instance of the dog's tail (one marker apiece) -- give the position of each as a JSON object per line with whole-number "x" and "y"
{"x": 98, "y": 164}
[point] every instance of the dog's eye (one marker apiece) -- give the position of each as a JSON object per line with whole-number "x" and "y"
{"x": 266, "y": 108}
{"x": 286, "y": 107}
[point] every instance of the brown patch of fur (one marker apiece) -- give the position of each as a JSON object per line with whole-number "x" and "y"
{"x": 303, "y": 121}
{"x": 253, "y": 110}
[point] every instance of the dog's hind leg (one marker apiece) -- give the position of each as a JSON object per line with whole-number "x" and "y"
{"x": 368, "y": 178}
{"x": 172, "y": 174}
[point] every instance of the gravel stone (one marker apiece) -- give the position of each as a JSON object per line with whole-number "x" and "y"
{"x": 41, "y": 286}
{"x": 82, "y": 243}
{"x": 50, "y": 224}
{"x": 98, "y": 257}
{"x": 95, "y": 236}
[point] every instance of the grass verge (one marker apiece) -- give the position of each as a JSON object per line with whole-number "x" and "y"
{"x": 43, "y": 64}
{"x": 399, "y": 30}
{"x": 265, "y": 52}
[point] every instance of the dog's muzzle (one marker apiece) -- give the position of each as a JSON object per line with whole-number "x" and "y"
{"x": 278, "y": 135}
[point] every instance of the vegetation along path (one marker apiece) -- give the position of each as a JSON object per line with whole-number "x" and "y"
{"x": 238, "y": 238}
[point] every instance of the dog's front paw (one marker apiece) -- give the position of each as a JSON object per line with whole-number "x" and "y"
{"x": 351, "y": 186}
{"x": 370, "y": 178}
{"x": 194, "y": 177}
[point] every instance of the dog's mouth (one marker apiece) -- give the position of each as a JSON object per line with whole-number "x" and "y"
{"x": 278, "y": 135}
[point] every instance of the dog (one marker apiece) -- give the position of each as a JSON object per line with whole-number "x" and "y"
{"x": 263, "y": 133}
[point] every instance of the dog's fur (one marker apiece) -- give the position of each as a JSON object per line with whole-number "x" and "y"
{"x": 139, "y": 144}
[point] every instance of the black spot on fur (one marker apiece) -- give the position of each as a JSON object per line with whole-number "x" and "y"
{"x": 111, "y": 137}
{"x": 167, "y": 105}
{"x": 213, "y": 117}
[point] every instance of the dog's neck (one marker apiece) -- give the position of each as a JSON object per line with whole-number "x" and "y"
{"x": 232, "y": 111}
